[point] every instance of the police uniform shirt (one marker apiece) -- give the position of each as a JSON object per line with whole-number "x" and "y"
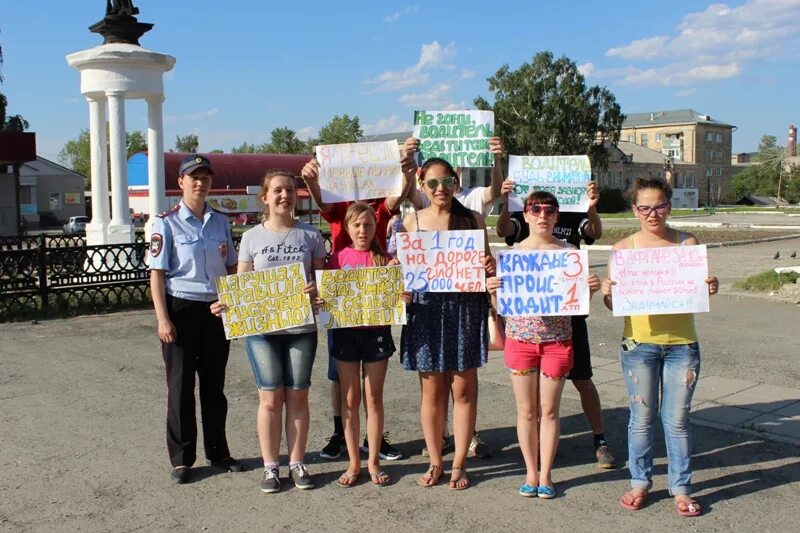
{"x": 192, "y": 252}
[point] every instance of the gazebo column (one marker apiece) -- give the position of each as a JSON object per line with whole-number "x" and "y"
{"x": 120, "y": 230}
{"x": 157, "y": 201}
{"x": 97, "y": 229}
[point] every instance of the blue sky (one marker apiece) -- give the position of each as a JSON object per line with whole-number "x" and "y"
{"x": 245, "y": 67}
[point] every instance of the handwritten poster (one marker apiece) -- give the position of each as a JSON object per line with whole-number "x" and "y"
{"x": 460, "y": 137}
{"x": 264, "y": 300}
{"x": 659, "y": 281}
{"x": 361, "y": 297}
{"x": 442, "y": 261}
{"x": 359, "y": 171}
{"x": 565, "y": 177}
{"x": 543, "y": 282}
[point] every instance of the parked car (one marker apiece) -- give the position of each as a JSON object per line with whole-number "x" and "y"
{"x": 76, "y": 225}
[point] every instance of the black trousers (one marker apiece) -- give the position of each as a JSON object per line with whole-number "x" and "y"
{"x": 201, "y": 348}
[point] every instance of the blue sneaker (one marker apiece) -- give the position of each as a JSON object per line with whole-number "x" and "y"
{"x": 546, "y": 492}
{"x": 529, "y": 491}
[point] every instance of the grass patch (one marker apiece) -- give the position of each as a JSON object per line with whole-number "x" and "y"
{"x": 766, "y": 281}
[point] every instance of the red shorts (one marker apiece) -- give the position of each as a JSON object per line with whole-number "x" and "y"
{"x": 552, "y": 359}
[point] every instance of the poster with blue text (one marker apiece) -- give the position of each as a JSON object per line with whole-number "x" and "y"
{"x": 565, "y": 177}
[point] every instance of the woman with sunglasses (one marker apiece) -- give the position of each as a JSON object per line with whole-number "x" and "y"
{"x": 658, "y": 352}
{"x": 445, "y": 338}
{"x": 538, "y": 354}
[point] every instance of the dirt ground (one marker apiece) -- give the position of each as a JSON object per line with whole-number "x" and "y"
{"x": 82, "y": 439}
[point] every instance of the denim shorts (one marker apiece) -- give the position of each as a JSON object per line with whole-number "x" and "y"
{"x": 282, "y": 360}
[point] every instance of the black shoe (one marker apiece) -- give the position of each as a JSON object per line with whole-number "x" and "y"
{"x": 180, "y": 474}
{"x": 387, "y": 451}
{"x": 229, "y": 463}
{"x": 333, "y": 450}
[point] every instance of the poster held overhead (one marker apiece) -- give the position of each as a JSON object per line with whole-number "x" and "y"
{"x": 359, "y": 171}
{"x": 460, "y": 137}
{"x": 564, "y": 176}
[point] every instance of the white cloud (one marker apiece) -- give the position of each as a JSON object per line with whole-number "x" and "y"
{"x": 435, "y": 97}
{"x": 394, "y": 17}
{"x": 710, "y": 45}
{"x": 432, "y": 56}
{"x": 466, "y": 74}
{"x": 306, "y": 133}
{"x": 387, "y": 125}
{"x": 192, "y": 117}
{"x": 411, "y": 9}
{"x": 686, "y": 92}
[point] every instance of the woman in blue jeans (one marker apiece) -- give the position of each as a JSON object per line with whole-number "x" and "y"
{"x": 659, "y": 352}
{"x": 282, "y": 360}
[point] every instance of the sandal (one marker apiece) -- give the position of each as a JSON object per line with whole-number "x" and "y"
{"x": 636, "y": 499}
{"x": 688, "y": 507}
{"x": 347, "y": 480}
{"x": 461, "y": 481}
{"x": 431, "y": 477}
{"x": 380, "y": 478}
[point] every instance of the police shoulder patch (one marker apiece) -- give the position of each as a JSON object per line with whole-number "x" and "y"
{"x": 156, "y": 244}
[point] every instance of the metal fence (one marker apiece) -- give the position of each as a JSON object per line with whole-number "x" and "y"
{"x": 46, "y": 276}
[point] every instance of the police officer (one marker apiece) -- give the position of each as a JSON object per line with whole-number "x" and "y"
{"x": 191, "y": 245}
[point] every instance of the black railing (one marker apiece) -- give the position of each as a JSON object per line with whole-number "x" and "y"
{"x": 48, "y": 276}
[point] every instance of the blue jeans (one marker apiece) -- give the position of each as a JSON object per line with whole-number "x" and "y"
{"x": 675, "y": 370}
{"x": 282, "y": 360}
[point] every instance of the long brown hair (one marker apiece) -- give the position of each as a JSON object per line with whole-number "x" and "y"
{"x": 355, "y": 210}
{"x": 460, "y": 216}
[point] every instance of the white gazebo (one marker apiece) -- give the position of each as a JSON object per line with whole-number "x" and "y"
{"x": 111, "y": 74}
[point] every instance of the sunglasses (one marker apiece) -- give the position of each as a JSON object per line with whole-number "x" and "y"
{"x": 645, "y": 210}
{"x": 434, "y": 183}
{"x": 536, "y": 209}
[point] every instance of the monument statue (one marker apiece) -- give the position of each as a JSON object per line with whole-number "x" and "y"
{"x": 120, "y": 24}
{"x": 121, "y": 8}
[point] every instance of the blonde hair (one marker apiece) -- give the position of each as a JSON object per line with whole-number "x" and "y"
{"x": 272, "y": 173}
{"x": 355, "y": 210}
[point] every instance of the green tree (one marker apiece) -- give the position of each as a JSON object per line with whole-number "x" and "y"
{"x": 76, "y": 153}
{"x": 284, "y": 141}
{"x": 545, "y": 108}
{"x": 188, "y": 143}
{"x": 768, "y": 173}
{"x": 340, "y": 130}
{"x": 13, "y": 122}
{"x": 246, "y": 148}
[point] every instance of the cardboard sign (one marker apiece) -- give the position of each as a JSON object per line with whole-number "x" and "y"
{"x": 266, "y": 300}
{"x": 361, "y": 297}
{"x": 442, "y": 261}
{"x": 460, "y": 137}
{"x": 543, "y": 282}
{"x": 565, "y": 177}
{"x": 359, "y": 171}
{"x": 659, "y": 281}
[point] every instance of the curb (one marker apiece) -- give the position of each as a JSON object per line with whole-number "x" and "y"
{"x": 762, "y": 435}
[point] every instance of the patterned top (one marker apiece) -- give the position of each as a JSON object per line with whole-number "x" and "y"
{"x": 539, "y": 329}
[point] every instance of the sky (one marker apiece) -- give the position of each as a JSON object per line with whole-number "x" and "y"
{"x": 245, "y": 67}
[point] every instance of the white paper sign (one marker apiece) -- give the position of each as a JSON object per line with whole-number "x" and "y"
{"x": 361, "y": 297}
{"x": 263, "y": 301}
{"x": 565, "y": 177}
{"x": 460, "y": 137}
{"x": 659, "y": 281}
{"x": 543, "y": 282}
{"x": 359, "y": 171}
{"x": 442, "y": 261}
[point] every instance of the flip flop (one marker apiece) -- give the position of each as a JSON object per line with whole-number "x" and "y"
{"x": 638, "y": 495}
{"x": 690, "y": 508}
{"x": 431, "y": 477}
{"x": 347, "y": 480}
{"x": 380, "y": 479}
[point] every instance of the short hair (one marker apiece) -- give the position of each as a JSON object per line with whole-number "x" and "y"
{"x": 652, "y": 183}
{"x": 541, "y": 197}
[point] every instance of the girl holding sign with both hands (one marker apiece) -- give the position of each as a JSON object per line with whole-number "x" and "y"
{"x": 282, "y": 361}
{"x": 658, "y": 352}
{"x": 538, "y": 355}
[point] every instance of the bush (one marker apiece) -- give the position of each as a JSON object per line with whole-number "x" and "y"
{"x": 612, "y": 201}
{"x": 766, "y": 281}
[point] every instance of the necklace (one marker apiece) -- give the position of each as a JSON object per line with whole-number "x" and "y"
{"x": 285, "y": 234}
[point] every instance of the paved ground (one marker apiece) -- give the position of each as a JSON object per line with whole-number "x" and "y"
{"x": 82, "y": 444}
